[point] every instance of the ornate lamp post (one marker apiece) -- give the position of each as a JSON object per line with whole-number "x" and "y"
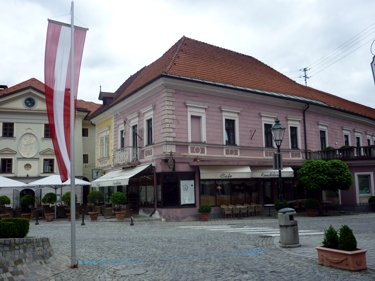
{"x": 278, "y": 134}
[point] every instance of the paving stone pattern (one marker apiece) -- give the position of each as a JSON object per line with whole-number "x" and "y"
{"x": 156, "y": 250}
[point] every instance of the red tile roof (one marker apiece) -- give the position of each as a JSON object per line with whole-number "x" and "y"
{"x": 91, "y": 107}
{"x": 194, "y": 59}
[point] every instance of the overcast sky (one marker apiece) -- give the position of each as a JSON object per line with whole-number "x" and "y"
{"x": 124, "y": 36}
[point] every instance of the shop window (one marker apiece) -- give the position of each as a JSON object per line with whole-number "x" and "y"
{"x": 170, "y": 189}
{"x": 364, "y": 185}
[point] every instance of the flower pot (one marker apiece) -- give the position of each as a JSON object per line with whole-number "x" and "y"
{"x": 204, "y": 216}
{"x": 120, "y": 215}
{"x": 93, "y": 216}
{"x": 26, "y": 216}
{"x": 49, "y": 216}
{"x": 3, "y": 216}
{"x": 311, "y": 212}
{"x": 349, "y": 260}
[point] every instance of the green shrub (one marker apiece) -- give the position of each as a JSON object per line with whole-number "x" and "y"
{"x": 49, "y": 198}
{"x": 66, "y": 198}
{"x": 4, "y": 200}
{"x": 14, "y": 228}
{"x": 345, "y": 147}
{"x": 94, "y": 197}
{"x": 347, "y": 241}
{"x": 204, "y": 209}
{"x": 27, "y": 200}
{"x": 118, "y": 198}
{"x": 331, "y": 238}
{"x": 280, "y": 205}
{"x": 329, "y": 148}
{"x": 371, "y": 200}
{"x": 311, "y": 204}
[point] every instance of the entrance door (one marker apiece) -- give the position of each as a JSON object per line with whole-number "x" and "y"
{"x": 268, "y": 192}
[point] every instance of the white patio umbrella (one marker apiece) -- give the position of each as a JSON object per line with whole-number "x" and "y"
{"x": 54, "y": 181}
{"x": 7, "y": 182}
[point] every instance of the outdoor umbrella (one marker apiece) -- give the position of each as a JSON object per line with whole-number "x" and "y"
{"x": 55, "y": 182}
{"x": 6, "y": 182}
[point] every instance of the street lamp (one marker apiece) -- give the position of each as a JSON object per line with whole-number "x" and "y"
{"x": 278, "y": 135}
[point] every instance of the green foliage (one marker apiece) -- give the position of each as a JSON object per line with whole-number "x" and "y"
{"x": 94, "y": 197}
{"x": 345, "y": 147}
{"x": 329, "y": 148}
{"x": 324, "y": 175}
{"x": 49, "y": 198}
{"x": 371, "y": 200}
{"x": 27, "y": 200}
{"x": 118, "y": 198}
{"x": 331, "y": 238}
{"x": 204, "y": 209}
{"x": 347, "y": 240}
{"x": 4, "y": 200}
{"x": 280, "y": 205}
{"x": 66, "y": 198}
{"x": 14, "y": 227}
{"x": 311, "y": 204}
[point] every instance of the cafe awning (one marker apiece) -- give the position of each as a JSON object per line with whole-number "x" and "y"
{"x": 119, "y": 177}
{"x": 264, "y": 172}
{"x": 225, "y": 172}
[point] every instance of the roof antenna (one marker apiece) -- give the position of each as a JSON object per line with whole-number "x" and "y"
{"x": 305, "y": 69}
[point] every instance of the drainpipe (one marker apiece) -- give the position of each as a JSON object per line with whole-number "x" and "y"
{"x": 304, "y": 128}
{"x": 155, "y": 194}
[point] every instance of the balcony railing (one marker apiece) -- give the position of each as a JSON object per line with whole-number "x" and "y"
{"x": 125, "y": 155}
{"x": 351, "y": 153}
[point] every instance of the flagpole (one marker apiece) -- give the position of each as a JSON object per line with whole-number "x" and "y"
{"x": 72, "y": 168}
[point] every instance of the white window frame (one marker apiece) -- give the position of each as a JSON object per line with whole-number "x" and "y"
{"x": 267, "y": 119}
{"x": 295, "y": 122}
{"x": 357, "y": 186}
{"x": 132, "y": 121}
{"x": 148, "y": 113}
{"x": 231, "y": 114}
{"x": 121, "y": 127}
{"x": 197, "y": 109}
{"x": 346, "y": 132}
{"x": 104, "y": 143}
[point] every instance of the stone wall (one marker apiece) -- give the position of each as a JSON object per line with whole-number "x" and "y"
{"x": 15, "y": 253}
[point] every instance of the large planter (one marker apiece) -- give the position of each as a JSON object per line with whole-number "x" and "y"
{"x": 7, "y": 215}
{"x": 26, "y": 216}
{"x": 349, "y": 260}
{"x": 204, "y": 216}
{"x": 93, "y": 215}
{"x": 49, "y": 216}
{"x": 120, "y": 215}
{"x": 311, "y": 212}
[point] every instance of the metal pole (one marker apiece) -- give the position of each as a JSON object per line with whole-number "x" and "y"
{"x": 280, "y": 180}
{"x": 83, "y": 216}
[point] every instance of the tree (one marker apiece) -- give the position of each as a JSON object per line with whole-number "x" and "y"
{"x": 325, "y": 175}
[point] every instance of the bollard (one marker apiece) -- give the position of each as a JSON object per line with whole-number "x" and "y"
{"x": 37, "y": 222}
{"x": 131, "y": 218}
{"x": 83, "y": 217}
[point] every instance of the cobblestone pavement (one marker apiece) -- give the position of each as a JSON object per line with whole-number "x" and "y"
{"x": 220, "y": 249}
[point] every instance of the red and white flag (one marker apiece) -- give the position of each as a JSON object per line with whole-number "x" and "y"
{"x": 57, "y": 77}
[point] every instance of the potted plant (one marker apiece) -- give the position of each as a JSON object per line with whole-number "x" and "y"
{"x": 204, "y": 211}
{"x": 27, "y": 201}
{"x": 49, "y": 198}
{"x": 280, "y": 205}
{"x": 340, "y": 250}
{"x": 311, "y": 206}
{"x": 4, "y": 200}
{"x": 66, "y": 199}
{"x": 94, "y": 197}
{"x": 118, "y": 198}
{"x": 371, "y": 202}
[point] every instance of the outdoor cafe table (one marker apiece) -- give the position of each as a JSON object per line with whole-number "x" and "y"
{"x": 269, "y": 206}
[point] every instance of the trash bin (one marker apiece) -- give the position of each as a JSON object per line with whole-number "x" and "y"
{"x": 288, "y": 228}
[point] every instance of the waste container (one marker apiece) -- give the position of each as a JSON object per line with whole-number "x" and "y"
{"x": 288, "y": 228}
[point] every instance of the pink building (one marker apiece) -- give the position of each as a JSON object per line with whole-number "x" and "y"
{"x": 198, "y": 130}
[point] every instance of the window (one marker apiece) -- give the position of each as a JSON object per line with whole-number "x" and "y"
{"x": 230, "y": 137}
{"x": 293, "y": 138}
{"x": 149, "y": 140}
{"x": 122, "y": 139}
{"x": 85, "y": 132}
{"x": 135, "y": 143}
{"x": 231, "y": 131}
{"x": 294, "y": 131}
{"x": 323, "y": 141}
{"x": 346, "y": 140}
{"x": 196, "y": 121}
{"x": 47, "y": 132}
{"x": 6, "y": 165}
{"x": 85, "y": 158}
{"x": 104, "y": 146}
{"x": 170, "y": 186}
{"x": 368, "y": 142}
{"x": 48, "y": 165}
{"x": 133, "y": 135}
{"x": 268, "y": 140}
{"x": 8, "y": 129}
{"x": 364, "y": 184}
{"x": 357, "y": 141}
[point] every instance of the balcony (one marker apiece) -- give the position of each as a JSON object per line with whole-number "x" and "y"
{"x": 351, "y": 153}
{"x": 125, "y": 155}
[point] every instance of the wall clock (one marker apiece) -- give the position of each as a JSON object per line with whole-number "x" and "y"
{"x": 29, "y": 102}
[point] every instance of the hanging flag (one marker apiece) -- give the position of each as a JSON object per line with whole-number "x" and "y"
{"x": 57, "y": 77}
